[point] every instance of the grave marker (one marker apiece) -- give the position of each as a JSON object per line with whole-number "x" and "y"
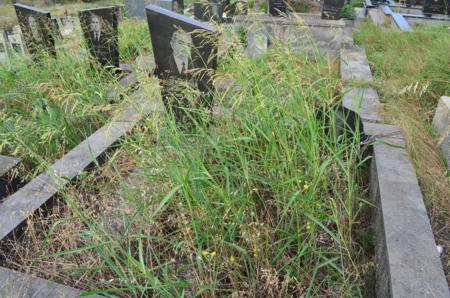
{"x": 331, "y": 9}
{"x": 257, "y": 43}
{"x": 136, "y": 8}
{"x": 37, "y": 29}
{"x": 277, "y": 7}
{"x": 185, "y": 52}
{"x": 436, "y": 7}
{"x": 68, "y": 25}
{"x": 100, "y": 31}
{"x": 208, "y": 11}
{"x": 3, "y": 48}
{"x": 15, "y": 42}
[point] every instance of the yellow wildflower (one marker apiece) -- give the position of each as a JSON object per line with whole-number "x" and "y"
{"x": 213, "y": 254}
{"x": 205, "y": 252}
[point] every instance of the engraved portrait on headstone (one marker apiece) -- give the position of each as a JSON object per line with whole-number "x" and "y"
{"x": 185, "y": 53}
{"x": 100, "y": 31}
{"x": 37, "y": 29}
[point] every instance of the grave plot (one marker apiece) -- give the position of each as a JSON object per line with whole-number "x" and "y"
{"x": 411, "y": 73}
{"x": 257, "y": 195}
{"x": 50, "y": 105}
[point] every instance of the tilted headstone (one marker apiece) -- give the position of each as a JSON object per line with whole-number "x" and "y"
{"x": 136, "y": 8}
{"x": 331, "y": 9}
{"x": 37, "y": 29}
{"x": 3, "y": 48}
{"x": 100, "y": 31}
{"x": 277, "y": 7}
{"x": 68, "y": 25}
{"x": 436, "y": 7}
{"x": 185, "y": 52}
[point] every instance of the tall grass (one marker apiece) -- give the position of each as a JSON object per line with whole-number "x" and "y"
{"x": 259, "y": 199}
{"x": 412, "y": 72}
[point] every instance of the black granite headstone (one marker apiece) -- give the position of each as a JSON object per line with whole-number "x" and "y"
{"x": 100, "y": 30}
{"x": 277, "y": 7}
{"x": 185, "y": 52}
{"x": 331, "y": 9}
{"x": 37, "y": 29}
{"x": 436, "y": 7}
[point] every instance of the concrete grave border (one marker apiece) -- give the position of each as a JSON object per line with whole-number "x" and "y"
{"x": 16, "y": 208}
{"x": 408, "y": 263}
{"x": 406, "y": 254}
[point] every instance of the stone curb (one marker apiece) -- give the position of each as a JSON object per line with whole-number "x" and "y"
{"x": 34, "y": 195}
{"x": 14, "y": 284}
{"x": 408, "y": 264}
{"x": 23, "y": 203}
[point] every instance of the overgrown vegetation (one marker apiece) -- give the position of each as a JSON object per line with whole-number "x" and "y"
{"x": 412, "y": 71}
{"x": 260, "y": 198}
{"x": 48, "y": 107}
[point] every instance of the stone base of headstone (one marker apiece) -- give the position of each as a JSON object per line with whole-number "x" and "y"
{"x": 441, "y": 124}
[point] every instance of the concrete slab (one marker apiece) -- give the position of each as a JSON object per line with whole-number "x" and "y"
{"x": 364, "y": 102}
{"x": 15, "y": 284}
{"x": 408, "y": 263}
{"x": 354, "y": 65}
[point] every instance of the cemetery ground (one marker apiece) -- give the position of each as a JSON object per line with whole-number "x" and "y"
{"x": 412, "y": 71}
{"x": 261, "y": 197}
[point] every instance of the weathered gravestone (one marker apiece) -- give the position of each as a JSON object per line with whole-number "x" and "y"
{"x": 37, "y": 29}
{"x": 14, "y": 38}
{"x": 185, "y": 52}
{"x": 257, "y": 44}
{"x": 166, "y": 4}
{"x": 136, "y": 8}
{"x": 3, "y": 48}
{"x": 68, "y": 25}
{"x": 436, "y": 7}
{"x": 208, "y": 11}
{"x": 277, "y": 7}
{"x": 331, "y": 9}
{"x": 100, "y": 31}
